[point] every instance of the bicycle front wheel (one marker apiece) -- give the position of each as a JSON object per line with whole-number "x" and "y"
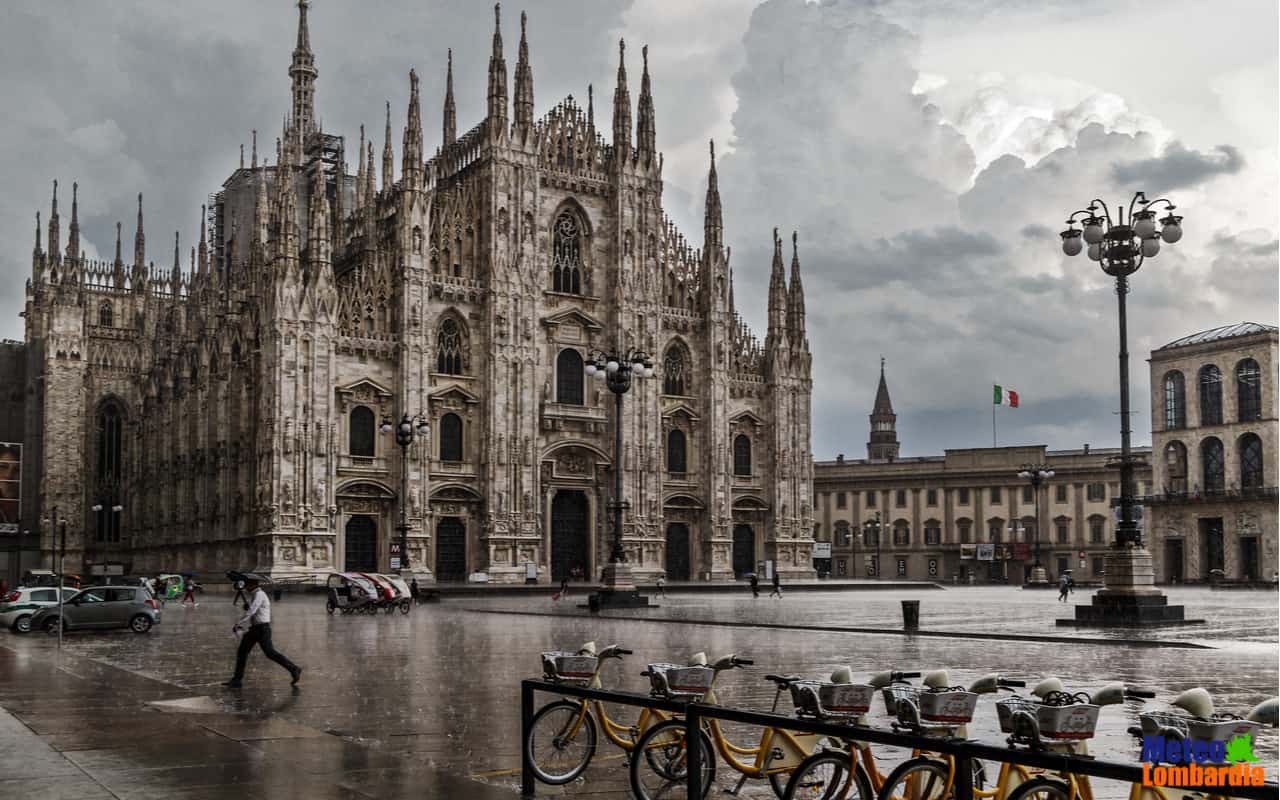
{"x": 918, "y": 779}
{"x": 824, "y": 776}
{"x": 558, "y": 747}
{"x": 660, "y": 762}
{"x": 1042, "y": 789}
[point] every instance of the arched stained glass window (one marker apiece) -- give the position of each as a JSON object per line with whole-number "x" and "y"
{"x": 675, "y": 370}
{"x": 566, "y": 255}
{"x": 449, "y": 347}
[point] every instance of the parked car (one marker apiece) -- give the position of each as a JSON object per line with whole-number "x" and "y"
{"x": 19, "y": 606}
{"x": 44, "y": 577}
{"x": 100, "y": 607}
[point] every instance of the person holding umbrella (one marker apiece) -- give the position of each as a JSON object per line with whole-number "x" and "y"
{"x": 256, "y": 627}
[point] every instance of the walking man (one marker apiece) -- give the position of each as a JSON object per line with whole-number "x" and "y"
{"x": 662, "y": 584}
{"x": 414, "y": 592}
{"x": 256, "y": 624}
{"x": 777, "y": 585}
{"x": 1064, "y": 587}
{"x": 755, "y": 586}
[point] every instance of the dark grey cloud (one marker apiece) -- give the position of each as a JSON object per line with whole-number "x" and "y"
{"x": 1035, "y": 230}
{"x": 1178, "y": 168}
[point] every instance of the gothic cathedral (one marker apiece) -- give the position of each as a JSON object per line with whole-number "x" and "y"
{"x": 230, "y": 415}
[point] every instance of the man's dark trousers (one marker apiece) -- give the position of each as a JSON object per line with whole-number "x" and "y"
{"x": 259, "y": 635}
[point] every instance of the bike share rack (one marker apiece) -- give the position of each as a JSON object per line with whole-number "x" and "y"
{"x": 963, "y": 751}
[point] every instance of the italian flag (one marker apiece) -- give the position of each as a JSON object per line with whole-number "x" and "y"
{"x": 1004, "y": 397}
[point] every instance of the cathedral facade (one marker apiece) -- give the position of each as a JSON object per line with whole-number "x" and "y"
{"x": 229, "y": 415}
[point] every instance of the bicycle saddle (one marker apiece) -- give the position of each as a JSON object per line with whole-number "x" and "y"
{"x": 842, "y": 675}
{"x": 1266, "y": 713}
{"x": 587, "y": 649}
{"x": 698, "y": 659}
{"x": 1195, "y": 702}
{"x": 1045, "y": 686}
{"x": 938, "y": 679}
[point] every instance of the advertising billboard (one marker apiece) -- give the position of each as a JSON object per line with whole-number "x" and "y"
{"x": 10, "y": 488}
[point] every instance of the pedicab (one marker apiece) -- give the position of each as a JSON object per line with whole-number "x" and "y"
{"x": 169, "y": 586}
{"x": 386, "y": 591}
{"x": 351, "y": 592}
{"x": 403, "y": 598}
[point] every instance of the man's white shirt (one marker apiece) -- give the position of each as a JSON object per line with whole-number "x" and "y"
{"x": 259, "y": 612}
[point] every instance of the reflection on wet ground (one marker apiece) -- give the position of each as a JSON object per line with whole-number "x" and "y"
{"x": 437, "y": 691}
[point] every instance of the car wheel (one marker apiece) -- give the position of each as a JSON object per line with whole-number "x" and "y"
{"x": 140, "y": 623}
{"x": 22, "y": 624}
{"x": 53, "y": 626}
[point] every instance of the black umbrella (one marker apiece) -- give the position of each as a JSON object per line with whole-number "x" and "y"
{"x": 246, "y": 577}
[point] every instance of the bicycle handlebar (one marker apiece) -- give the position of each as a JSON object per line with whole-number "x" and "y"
{"x": 899, "y": 676}
{"x": 624, "y": 652}
{"x": 1139, "y": 694}
{"x": 742, "y": 662}
{"x": 1009, "y": 683}
{"x": 646, "y": 674}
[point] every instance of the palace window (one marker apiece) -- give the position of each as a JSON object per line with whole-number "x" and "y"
{"x": 1096, "y": 492}
{"x": 1214, "y": 464}
{"x": 932, "y": 532}
{"x": 1250, "y": 461}
{"x": 1175, "y": 402}
{"x": 901, "y": 499}
{"x": 569, "y": 377}
{"x": 1063, "y": 531}
{"x": 1028, "y": 495}
{"x": 449, "y": 347}
{"x": 995, "y": 530}
{"x": 1060, "y": 493}
{"x": 995, "y": 494}
{"x": 844, "y": 535}
{"x": 871, "y": 498}
{"x": 964, "y": 530}
{"x": 105, "y": 315}
{"x": 566, "y": 255}
{"x": 931, "y": 497}
{"x": 1175, "y": 467}
{"x": 842, "y": 500}
{"x": 1097, "y": 529}
{"x": 901, "y": 534}
{"x": 1248, "y": 390}
{"x": 676, "y": 456}
{"x": 963, "y": 496}
{"x": 451, "y": 437}
{"x": 675, "y": 370}
{"x": 742, "y": 455}
{"x": 1210, "y": 395}
{"x": 360, "y": 435}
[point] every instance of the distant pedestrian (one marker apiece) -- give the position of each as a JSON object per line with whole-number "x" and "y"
{"x": 755, "y": 586}
{"x": 190, "y": 594}
{"x": 777, "y": 585}
{"x": 239, "y": 598}
{"x": 564, "y": 589}
{"x": 162, "y": 592}
{"x": 662, "y": 585}
{"x": 414, "y": 592}
{"x": 1064, "y": 587}
{"x": 256, "y": 625}
{"x": 4, "y": 587}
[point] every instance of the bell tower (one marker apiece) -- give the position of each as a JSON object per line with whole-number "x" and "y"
{"x": 883, "y": 446}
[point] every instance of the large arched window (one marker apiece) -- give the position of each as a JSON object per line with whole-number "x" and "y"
{"x": 843, "y": 533}
{"x": 450, "y": 438}
{"x": 742, "y": 455}
{"x": 676, "y": 455}
{"x": 360, "y": 436}
{"x": 566, "y": 255}
{"x": 1175, "y": 468}
{"x": 1175, "y": 402}
{"x": 449, "y": 347}
{"x": 1210, "y": 395}
{"x": 1248, "y": 390}
{"x": 901, "y": 533}
{"x": 1250, "y": 461}
{"x": 105, "y": 314}
{"x": 1212, "y": 460}
{"x": 569, "y": 377}
{"x": 109, "y": 473}
{"x": 675, "y": 370}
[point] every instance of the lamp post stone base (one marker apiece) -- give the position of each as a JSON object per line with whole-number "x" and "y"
{"x": 1129, "y": 598}
{"x": 618, "y": 590}
{"x": 1039, "y": 578}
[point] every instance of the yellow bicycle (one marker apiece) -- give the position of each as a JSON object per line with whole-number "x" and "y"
{"x": 663, "y": 770}
{"x": 563, "y": 734}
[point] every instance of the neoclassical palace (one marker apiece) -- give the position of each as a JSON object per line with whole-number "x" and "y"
{"x": 228, "y": 414}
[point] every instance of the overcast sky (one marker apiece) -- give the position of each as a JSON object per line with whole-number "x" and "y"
{"x": 928, "y": 152}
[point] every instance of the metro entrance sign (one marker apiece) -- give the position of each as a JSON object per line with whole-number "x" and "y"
{"x": 395, "y": 556}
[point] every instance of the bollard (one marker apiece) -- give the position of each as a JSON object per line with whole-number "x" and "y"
{"x": 910, "y": 615}
{"x": 593, "y": 602}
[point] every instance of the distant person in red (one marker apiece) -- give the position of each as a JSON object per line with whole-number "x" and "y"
{"x": 190, "y": 594}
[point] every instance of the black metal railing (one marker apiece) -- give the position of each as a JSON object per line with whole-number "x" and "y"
{"x": 962, "y": 751}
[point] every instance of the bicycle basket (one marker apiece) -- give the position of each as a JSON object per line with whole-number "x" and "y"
{"x": 895, "y": 692}
{"x": 1076, "y": 721}
{"x": 563, "y": 667}
{"x": 671, "y": 680}
{"x": 949, "y": 707}
{"x": 1221, "y": 728}
{"x": 831, "y": 700}
{"x": 1005, "y": 709}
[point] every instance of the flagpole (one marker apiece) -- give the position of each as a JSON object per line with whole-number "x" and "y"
{"x": 993, "y": 425}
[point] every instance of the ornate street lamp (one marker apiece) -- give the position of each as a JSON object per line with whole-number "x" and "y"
{"x": 405, "y": 430}
{"x": 59, "y": 525}
{"x": 1121, "y": 245}
{"x": 871, "y": 535}
{"x": 618, "y": 370}
{"x": 106, "y": 535}
{"x": 1038, "y": 475}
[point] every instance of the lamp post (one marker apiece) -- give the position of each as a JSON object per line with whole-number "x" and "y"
{"x": 871, "y": 534}
{"x": 1038, "y": 475}
{"x": 1121, "y": 245}
{"x": 60, "y": 527}
{"x": 618, "y": 369}
{"x": 405, "y": 430}
{"x": 107, "y": 536}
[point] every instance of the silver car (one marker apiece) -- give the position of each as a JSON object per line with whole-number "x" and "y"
{"x": 19, "y": 606}
{"x": 100, "y": 607}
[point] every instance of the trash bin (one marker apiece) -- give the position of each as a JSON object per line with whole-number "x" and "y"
{"x": 593, "y": 602}
{"x": 278, "y": 593}
{"x": 910, "y": 615}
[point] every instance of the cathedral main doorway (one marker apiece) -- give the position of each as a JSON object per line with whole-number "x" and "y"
{"x": 677, "y": 565}
{"x": 570, "y": 535}
{"x": 362, "y": 544}
{"x": 451, "y": 550}
{"x": 744, "y": 550}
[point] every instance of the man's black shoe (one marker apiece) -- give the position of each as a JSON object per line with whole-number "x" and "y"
{"x": 297, "y": 676}
{"x": 232, "y": 684}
